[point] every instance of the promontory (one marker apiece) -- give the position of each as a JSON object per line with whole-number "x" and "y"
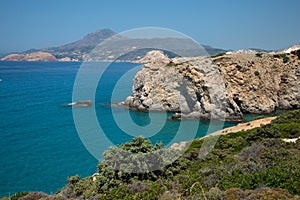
{"x": 222, "y": 87}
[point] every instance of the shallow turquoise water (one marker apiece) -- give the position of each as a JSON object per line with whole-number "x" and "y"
{"x": 39, "y": 143}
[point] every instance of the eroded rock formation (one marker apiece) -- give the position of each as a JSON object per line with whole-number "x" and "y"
{"x": 223, "y": 87}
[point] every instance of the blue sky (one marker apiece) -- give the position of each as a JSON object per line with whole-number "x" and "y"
{"x": 268, "y": 24}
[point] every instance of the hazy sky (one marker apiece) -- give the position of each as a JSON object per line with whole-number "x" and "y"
{"x": 268, "y": 24}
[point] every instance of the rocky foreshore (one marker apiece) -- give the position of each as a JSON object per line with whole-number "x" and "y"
{"x": 223, "y": 87}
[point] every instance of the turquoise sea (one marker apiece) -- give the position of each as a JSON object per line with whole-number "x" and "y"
{"x": 40, "y": 146}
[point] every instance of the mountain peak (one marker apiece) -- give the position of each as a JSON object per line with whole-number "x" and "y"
{"x": 99, "y": 35}
{"x": 86, "y": 44}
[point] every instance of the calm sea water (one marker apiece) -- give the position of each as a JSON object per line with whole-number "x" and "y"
{"x": 39, "y": 143}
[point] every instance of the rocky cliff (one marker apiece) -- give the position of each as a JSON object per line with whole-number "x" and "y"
{"x": 223, "y": 87}
{"x": 35, "y": 56}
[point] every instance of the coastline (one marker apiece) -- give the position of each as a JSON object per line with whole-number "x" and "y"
{"x": 239, "y": 127}
{"x": 242, "y": 126}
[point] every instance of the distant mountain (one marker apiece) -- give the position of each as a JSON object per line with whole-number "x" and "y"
{"x": 259, "y": 50}
{"x": 89, "y": 41}
{"x": 77, "y": 49}
{"x": 86, "y": 49}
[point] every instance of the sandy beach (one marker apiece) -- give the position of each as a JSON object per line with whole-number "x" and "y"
{"x": 243, "y": 126}
{"x": 240, "y": 127}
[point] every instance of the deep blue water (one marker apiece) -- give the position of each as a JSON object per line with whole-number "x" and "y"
{"x": 40, "y": 146}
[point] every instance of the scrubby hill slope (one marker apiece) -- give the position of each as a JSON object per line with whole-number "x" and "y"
{"x": 253, "y": 164}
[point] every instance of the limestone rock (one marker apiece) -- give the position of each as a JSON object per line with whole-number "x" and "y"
{"x": 223, "y": 88}
{"x": 154, "y": 56}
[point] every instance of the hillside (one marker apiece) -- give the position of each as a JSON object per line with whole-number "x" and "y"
{"x": 75, "y": 51}
{"x": 253, "y": 164}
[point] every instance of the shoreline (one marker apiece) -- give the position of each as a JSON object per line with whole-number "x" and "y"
{"x": 233, "y": 129}
{"x": 242, "y": 126}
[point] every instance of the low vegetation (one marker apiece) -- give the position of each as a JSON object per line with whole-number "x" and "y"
{"x": 256, "y": 73}
{"x": 254, "y": 164}
{"x": 218, "y": 55}
{"x": 284, "y": 57}
{"x": 258, "y": 55}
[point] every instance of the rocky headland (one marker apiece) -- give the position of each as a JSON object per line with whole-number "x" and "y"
{"x": 222, "y": 87}
{"x": 30, "y": 57}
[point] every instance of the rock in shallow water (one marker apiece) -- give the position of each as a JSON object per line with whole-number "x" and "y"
{"x": 86, "y": 103}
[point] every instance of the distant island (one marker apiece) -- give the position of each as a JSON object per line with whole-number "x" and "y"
{"x": 31, "y": 57}
{"x": 81, "y": 49}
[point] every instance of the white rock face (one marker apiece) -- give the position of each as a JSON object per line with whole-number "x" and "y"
{"x": 65, "y": 59}
{"x": 242, "y": 51}
{"x": 291, "y": 49}
{"x": 154, "y": 56}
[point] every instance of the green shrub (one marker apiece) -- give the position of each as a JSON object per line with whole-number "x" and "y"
{"x": 218, "y": 55}
{"x": 172, "y": 64}
{"x": 256, "y": 73}
{"x": 18, "y": 195}
{"x": 196, "y": 144}
{"x": 259, "y": 55}
{"x": 85, "y": 188}
{"x": 231, "y": 144}
{"x": 73, "y": 179}
{"x": 284, "y": 57}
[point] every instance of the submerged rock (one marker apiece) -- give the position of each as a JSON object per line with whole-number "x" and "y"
{"x": 86, "y": 103}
